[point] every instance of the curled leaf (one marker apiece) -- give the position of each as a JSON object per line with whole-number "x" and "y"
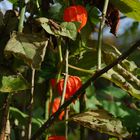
{"x": 113, "y": 18}
{"x": 103, "y": 122}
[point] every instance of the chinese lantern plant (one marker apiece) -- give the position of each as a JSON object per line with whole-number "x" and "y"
{"x": 56, "y": 138}
{"x": 73, "y": 84}
{"x": 55, "y": 106}
{"x": 76, "y": 13}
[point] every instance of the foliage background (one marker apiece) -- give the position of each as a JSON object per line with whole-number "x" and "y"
{"x": 106, "y": 93}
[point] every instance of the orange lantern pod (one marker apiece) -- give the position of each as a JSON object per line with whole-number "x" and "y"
{"x": 55, "y": 106}
{"x": 73, "y": 84}
{"x": 56, "y": 138}
{"x": 76, "y": 13}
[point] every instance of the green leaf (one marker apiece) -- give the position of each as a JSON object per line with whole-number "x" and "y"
{"x": 13, "y": 1}
{"x": 69, "y": 29}
{"x": 28, "y": 47}
{"x": 130, "y": 8}
{"x": 94, "y": 15}
{"x": 55, "y": 11}
{"x": 13, "y": 83}
{"x": 134, "y": 119}
{"x": 22, "y": 118}
{"x": 103, "y": 122}
{"x": 84, "y": 60}
{"x": 115, "y": 92}
{"x": 66, "y": 29}
{"x": 115, "y": 108}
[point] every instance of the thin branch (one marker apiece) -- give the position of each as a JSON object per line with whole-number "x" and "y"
{"x": 22, "y": 17}
{"x": 64, "y": 92}
{"x": 100, "y": 35}
{"x": 31, "y": 105}
{"x": 60, "y": 59}
{"x": 66, "y": 78}
{"x": 52, "y": 118}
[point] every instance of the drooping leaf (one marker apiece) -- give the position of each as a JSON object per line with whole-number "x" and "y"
{"x": 13, "y": 83}
{"x": 130, "y": 8}
{"x": 66, "y": 29}
{"x": 94, "y": 15}
{"x": 115, "y": 108}
{"x": 27, "y": 47}
{"x": 113, "y": 18}
{"x": 103, "y": 122}
{"x": 69, "y": 30}
{"x": 115, "y": 92}
{"x": 23, "y": 117}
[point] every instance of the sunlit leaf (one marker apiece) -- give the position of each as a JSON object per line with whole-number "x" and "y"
{"x": 13, "y": 1}
{"x": 12, "y": 83}
{"x": 66, "y": 29}
{"x": 115, "y": 108}
{"x": 23, "y": 117}
{"x": 27, "y": 47}
{"x": 130, "y": 8}
{"x": 103, "y": 122}
{"x": 69, "y": 30}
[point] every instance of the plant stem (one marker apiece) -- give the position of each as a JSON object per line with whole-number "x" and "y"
{"x": 48, "y": 103}
{"x": 81, "y": 90}
{"x": 22, "y": 16}
{"x": 60, "y": 59}
{"x": 31, "y": 105}
{"x": 100, "y": 35}
{"x": 64, "y": 92}
{"x": 66, "y": 78}
{"x": 81, "y": 69}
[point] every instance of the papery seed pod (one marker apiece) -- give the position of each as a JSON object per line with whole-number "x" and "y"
{"x": 55, "y": 106}
{"x": 76, "y": 13}
{"x": 73, "y": 84}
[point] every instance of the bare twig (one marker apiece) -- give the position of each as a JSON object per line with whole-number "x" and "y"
{"x": 52, "y": 118}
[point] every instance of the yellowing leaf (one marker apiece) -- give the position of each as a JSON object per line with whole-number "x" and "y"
{"x": 103, "y": 122}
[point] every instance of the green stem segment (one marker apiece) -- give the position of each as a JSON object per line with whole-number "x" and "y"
{"x": 100, "y": 35}
{"x": 64, "y": 92}
{"x": 60, "y": 59}
{"x": 22, "y": 16}
{"x": 31, "y": 105}
{"x": 66, "y": 78}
